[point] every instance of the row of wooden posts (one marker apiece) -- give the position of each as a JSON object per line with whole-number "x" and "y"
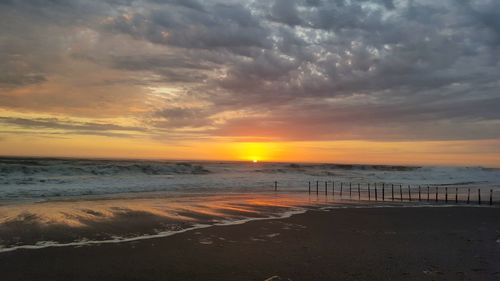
{"x": 393, "y": 198}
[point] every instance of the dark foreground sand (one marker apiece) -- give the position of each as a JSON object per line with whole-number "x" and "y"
{"x": 456, "y": 243}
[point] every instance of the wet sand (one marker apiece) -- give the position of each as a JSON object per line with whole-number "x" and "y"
{"x": 425, "y": 243}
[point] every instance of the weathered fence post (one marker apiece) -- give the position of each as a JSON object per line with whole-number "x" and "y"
{"x": 275, "y": 186}
{"x": 326, "y": 188}
{"x": 401, "y": 192}
{"x": 309, "y": 187}
{"x": 392, "y": 191}
{"x": 428, "y": 193}
{"x": 437, "y": 193}
{"x": 333, "y": 188}
{"x": 409, "y": 193}
{"x": 456, "y": 195}
{"x": 376, "y": 193}
{"x": 317, "y": 187}
{"x": 350, "y": 191}
{"x": 359, "y": 192}
{"x": 383, "y": 191}
{"x": 369, "y": 193}
{"x": 491, "y": 197}
{"x": 468, "y": 195}
{"x": 341, "y": 189}
{"x": 446, "y": 195}
{"x": 479, "y": 196}
{"x": 419, "y": 194}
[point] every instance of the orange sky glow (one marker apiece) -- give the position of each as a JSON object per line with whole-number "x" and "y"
{"x": 246, "y": 80}
{"x": 369, "y": 152}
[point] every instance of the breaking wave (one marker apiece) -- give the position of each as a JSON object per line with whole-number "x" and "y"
{"x": 58, "y": 167}
{"x": 44, "y": 178}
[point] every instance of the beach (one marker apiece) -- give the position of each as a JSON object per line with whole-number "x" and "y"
{"x": 234, "y": 140}
{"x": 364, "y": 243}
{"x": 80, "y": 219}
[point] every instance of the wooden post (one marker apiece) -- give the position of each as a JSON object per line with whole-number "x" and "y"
{"x": 376, "y": 193}
{"x": 409, "y": 193}
{"x": 401, "y": 192}
{"x": 317, "y": 187}
{"x": 369, "y": 193}
{"x": 479, "y": 196}
{"x": 309, "y": 187}
{"x": 350, "y": 191}
{"x": 468, "y": 195}
{"x": 419, "y": 194}
{"x": 275, "y": 186}
{"x": 456, "y": 195}
{"x": 446, "y": 195}
{"x": 333, "y": 188}
{"x": 428, "y": 193}
{"x": 491, "y": 197}
{"x": 326, "y": 188}
{"x": 392, "y": 191}
{"x": 437, "y": 193}
{"x": 383, "y": 191}
{"x": 341, "y": 189}
{"x": 359, "y": 192}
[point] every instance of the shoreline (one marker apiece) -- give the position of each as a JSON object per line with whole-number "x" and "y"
{"x": 451, "y": 243}
{"x": 196, "y": 226}
{"x": 48, "y": 244}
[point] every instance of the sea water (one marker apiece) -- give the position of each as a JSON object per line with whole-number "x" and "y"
{"x": 41, "y": 179}
{"x": 71, "y": 202}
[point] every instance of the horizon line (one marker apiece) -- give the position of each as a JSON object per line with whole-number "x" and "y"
{"x": 238, "y": 161}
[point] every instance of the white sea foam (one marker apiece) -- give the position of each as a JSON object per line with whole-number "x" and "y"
{"x": 115, "y": 239}
{"x": 286, "y": 214}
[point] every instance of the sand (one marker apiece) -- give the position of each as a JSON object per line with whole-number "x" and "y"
{"x": 420, "y": 243}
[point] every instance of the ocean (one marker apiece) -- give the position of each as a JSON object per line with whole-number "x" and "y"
{"x": 44, "y": 179}
{"x": 48, "y": 202}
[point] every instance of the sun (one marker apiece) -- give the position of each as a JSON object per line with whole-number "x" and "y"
{"x": 254, "y": 151}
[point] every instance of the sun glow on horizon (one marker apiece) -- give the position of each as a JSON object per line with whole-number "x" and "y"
{"x": 255, "y": 151}
{"x": 394, "y": 153}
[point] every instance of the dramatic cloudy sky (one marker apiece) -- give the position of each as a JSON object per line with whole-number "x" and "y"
{"x": 338, "y": 80}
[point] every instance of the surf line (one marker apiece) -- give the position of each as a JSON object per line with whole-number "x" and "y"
{"x": 49, "y": 244}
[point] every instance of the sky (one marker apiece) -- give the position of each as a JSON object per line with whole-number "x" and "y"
{"x": 369, "y": 81}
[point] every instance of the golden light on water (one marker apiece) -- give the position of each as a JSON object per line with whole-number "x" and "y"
{"x": 82, "y": 213}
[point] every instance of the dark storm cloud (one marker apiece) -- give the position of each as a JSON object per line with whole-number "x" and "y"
{"x": 285, "y": 11}
{"x": 75, "y": 127}
{"x": 217, "y": 26}
{"x": 149, "y": 62}
{"x": 486, "y": 14}
{"x": 192, "y": 4}
{"x": 26, "y": 45}
{"x": 179, "y": 117}
{"x": 20, "y": 79}
{"x": 294, "y": 69}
